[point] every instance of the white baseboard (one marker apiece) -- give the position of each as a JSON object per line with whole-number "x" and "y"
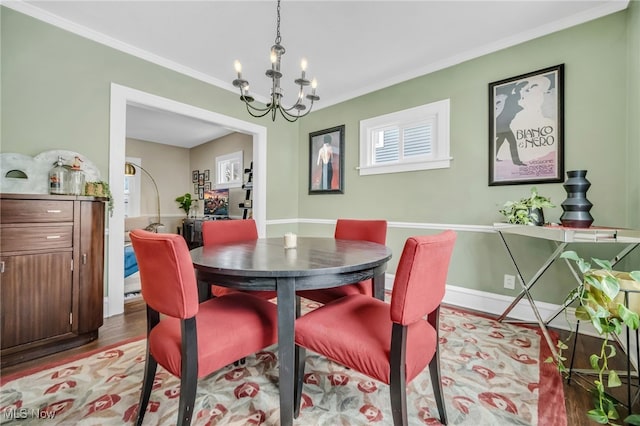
{"x": 496, "y": 304}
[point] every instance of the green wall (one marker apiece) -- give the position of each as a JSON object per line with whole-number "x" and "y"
{"x": 633, "y": 157}
{"x": 56, "y": 95}
{"x": 597, "y": 138}
{"x": 55, "y": 89}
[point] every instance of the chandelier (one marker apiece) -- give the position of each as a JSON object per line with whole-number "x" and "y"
{"x": 275, "y": 105}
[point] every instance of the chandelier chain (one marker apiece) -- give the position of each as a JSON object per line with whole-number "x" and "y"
{"x": 278, "y": 38}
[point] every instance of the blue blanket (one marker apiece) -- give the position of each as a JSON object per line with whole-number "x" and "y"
{"x": 130, "y": 262}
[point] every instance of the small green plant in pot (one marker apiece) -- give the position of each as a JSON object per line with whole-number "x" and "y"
{"x": 527, "y": 211}
{"x": 186, "y": 202}
{"x": 602, "y": 304}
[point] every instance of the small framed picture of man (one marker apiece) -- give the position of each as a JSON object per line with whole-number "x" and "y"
{"x": 526, "y": 128}
{"x": 326, "y": 161}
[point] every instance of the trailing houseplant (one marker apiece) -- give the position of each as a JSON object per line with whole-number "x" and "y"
{"x": 527, "y": 211}
{"x": 602, "y": 304}
{"x": 100, "y": 189}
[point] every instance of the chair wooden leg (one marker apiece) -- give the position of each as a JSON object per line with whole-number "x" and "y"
{"x": 299, "y": 356}
{"x": 434, "y": 370}
{"x": 147, "y": 384}
{"x": 398, "y": 375}
{"x": 189, "y": 373}
{"x": 188, "y": 386}
{"x": 398, "y": 402}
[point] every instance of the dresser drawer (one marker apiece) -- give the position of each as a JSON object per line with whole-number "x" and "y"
{"x": 28, "y": 238}
{"x": 23, "y": 211}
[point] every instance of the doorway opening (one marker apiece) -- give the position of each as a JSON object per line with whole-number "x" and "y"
{"x": 121, "y": 96}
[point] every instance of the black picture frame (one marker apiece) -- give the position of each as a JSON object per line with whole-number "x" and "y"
{"x": 201, "y": 179}
{"x": 207, "y": 186}
{"x": 195, "y": 187}
{"x": 194, "y": 176}
{"x": 206, "y": 175}
{"x": 201, "y": 193}
{"x": 526, "y": 128}
{"x": 326, "y": 177}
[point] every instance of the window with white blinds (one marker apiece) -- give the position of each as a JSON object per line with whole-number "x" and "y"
{"x": 229, "y": 170}
{"x": 413, "y": 139}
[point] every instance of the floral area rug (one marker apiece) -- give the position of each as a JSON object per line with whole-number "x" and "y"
{"x": 493, "y": 374}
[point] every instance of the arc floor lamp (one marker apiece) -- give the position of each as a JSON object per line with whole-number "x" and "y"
{"x": 130, "y": 170}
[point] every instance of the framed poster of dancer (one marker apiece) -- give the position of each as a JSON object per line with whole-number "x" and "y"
{"x": 526, "y": 128}
{"x": 326, "y": 161}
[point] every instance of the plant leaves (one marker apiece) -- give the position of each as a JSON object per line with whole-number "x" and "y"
{"x": 613, "y": 380}
{"x": 633, "y": 419}
{"x": 571, "y": 255}
{"x": 610, "y": 286}
{"x": 630, "y": 318}
{"x": 604, "y": 264}
{"x": 598, "y": 416}
{"x": 594, "y": 361}
{"x": 582, "y": 314}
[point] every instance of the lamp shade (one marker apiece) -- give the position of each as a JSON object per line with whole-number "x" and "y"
{"x": 129, "y": 169}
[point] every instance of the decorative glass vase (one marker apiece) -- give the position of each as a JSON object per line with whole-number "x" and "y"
{"x": 76, "y": 182}
{"x": 58, "y": 178}
{"x": 576, "y": 207}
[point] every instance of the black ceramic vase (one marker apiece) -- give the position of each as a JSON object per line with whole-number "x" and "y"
{"x": 576, "y": 207}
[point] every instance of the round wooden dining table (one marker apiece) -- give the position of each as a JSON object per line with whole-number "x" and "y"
{"x": 264, "y": 264}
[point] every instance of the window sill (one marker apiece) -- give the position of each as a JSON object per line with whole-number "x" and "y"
{"x": 442, "y": 163}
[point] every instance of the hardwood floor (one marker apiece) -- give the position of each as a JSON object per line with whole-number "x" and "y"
{"x": 133, "y": 324}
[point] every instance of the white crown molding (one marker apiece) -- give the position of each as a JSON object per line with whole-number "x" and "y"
{"x": 554, "y": 26}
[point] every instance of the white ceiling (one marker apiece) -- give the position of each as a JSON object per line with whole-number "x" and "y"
{"x": 169, "y": 128}
{"x": 352, "y": 47}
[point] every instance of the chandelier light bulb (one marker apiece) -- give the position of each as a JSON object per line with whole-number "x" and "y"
{"x": 238, "y": 66}
{"x": 303, "y": 64}
{"x": 314, "y": 84}
{"x": 273, "y": 56}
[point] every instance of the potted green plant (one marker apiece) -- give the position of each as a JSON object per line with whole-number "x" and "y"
{"x": 527, "y": 211}
{"x": 186, "y": 202}
{"x": 602, "y": 304}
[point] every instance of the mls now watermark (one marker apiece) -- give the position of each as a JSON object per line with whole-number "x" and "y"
{"x": 27, "y": 413}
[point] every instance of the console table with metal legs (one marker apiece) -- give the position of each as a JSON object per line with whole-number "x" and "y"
{"x": 562, "y": 236}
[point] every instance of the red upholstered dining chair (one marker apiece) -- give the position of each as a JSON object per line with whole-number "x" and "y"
{"x": 188, "y": 339}
{"x": 231, "y": 231}
{"x": 389, "y": 342}
{"x": 374, "y": 231}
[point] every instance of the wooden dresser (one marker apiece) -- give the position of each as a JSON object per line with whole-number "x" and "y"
{"x": 51, "y": 273}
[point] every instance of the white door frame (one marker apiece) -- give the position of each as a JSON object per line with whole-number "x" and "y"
{"x": 121, "y": 96}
